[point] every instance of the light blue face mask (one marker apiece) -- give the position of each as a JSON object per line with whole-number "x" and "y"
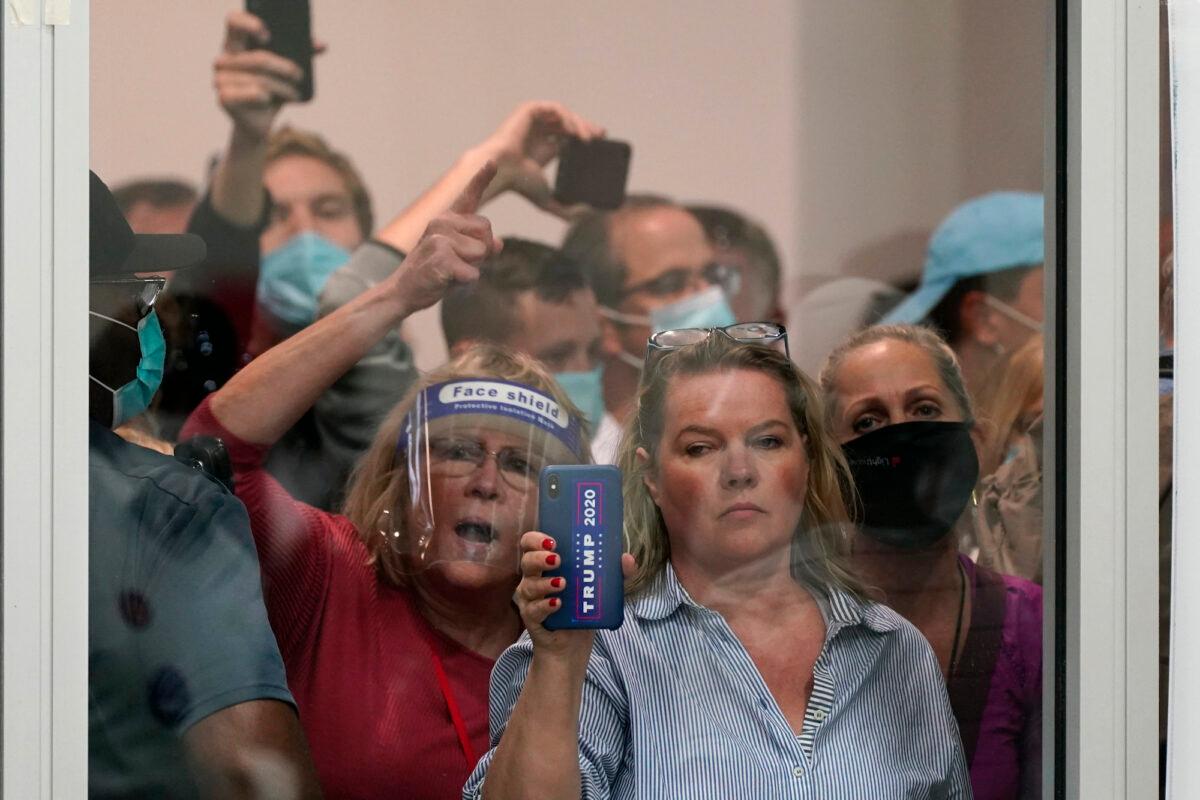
{"x": 291, "y": 276}
{"x": 134, "y": 397}
{"x": 707, "y": 309}
{"x": 586, "y": 390}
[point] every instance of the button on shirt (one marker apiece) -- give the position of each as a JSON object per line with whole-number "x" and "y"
{"x": 673, "y": 707}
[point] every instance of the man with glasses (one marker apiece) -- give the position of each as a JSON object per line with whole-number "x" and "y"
{"x": 186, "y": 688}
{"x": 653, "y": 269}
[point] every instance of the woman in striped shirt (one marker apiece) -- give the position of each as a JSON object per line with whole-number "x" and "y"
{"x": 749, "y": 664}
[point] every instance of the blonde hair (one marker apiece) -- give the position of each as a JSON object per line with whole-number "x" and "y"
{"x": 919, "y": 336}
{"x": 1017, "y": 387}
{"x": 820, "y": 544}
{"x": 289, "y": 141}
{"x": 378, "y": 494}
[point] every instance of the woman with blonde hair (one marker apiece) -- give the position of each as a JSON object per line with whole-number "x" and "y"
{"x": 899, "y": 405}
{"x": 390, "y": 616}
{"x": 1007, "y": 524}
{"x": 1015, "y": 405}
{"x": 749, "y": 663}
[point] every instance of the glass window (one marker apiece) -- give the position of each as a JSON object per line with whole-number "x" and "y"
{"x": 758, "y": 299}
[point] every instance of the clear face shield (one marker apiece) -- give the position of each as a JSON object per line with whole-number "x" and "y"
{"x": 473, "y": 450}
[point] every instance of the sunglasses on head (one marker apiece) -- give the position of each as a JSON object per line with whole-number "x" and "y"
{"x": 769, "y": 334}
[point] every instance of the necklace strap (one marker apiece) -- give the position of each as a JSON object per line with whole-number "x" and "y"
{"x": 962, "y": 601}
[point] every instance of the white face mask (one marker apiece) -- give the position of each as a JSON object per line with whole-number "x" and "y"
{"x": 1016, "y": 316}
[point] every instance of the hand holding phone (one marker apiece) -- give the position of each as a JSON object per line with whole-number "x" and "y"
{"x": 290, "y": 26}
{"x": 580, "y": 507}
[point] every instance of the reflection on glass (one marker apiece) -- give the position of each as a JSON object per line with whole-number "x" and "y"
{"x": 841, "y": 581}
{"x": 739, "y": 581}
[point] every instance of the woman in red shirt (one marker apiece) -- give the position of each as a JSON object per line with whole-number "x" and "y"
{"x": 389, "y": 618}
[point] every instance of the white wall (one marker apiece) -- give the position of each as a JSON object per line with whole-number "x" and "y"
{"x": 848, "y": 126}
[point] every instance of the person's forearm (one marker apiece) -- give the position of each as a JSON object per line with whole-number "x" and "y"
{"x": 538, "y": 755}
{"x": 405, "y": 230}
{"x": 237, "y": 185}
{"x": 262, "y": 401}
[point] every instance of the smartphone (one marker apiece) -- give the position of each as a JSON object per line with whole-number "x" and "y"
{"x": 580, "y": 506}
{"x": 592, "y": 172}
{"x": 290, "y": 24}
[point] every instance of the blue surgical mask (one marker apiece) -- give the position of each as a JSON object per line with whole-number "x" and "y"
{"x": 134, "y": 397}
{"x": 706, "y": 309}
{"x": 291, "y": 276}
{"x": 586, "y": 390}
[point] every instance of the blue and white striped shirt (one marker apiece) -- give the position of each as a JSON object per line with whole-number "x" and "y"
{"x": 673, "y": 707}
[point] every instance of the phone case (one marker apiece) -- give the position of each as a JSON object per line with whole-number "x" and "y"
{"x": 290, "y": 24}
{"x": 593, "y": 172}
{"x": 586, "y": 518}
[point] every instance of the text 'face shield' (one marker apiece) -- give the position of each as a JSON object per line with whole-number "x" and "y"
{"x": 473, "y": 450}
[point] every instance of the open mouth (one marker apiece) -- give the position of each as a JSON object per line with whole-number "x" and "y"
{"x": 475, "y": 532}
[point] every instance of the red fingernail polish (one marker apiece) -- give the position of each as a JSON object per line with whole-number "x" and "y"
{"x": 556, "y": 583}
{"x": 547, "y": 544}
{"x": 554, "y": 602}
{"x": 551, "y": 560}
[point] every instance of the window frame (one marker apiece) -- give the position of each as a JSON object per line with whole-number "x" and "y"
{"x": 1101, "y": 609}
{"x": 43, "y": 358}
{"x": 1102, "y": 603}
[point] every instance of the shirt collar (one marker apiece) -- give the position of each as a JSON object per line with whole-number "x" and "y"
{"x": 839, "y": 608}
{"x": 661, "y": 596}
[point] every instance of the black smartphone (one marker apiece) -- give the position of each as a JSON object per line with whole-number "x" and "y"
{"x": 593, "y": 172}
{"x": 580, "y": 506}
{"x": 290, "y": 24}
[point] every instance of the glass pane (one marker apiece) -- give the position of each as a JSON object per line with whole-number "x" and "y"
{"x": 758, "y": 299}
{"x": 1166, "y": 381}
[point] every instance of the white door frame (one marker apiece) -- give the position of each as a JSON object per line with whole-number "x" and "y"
{"x": 44, "y": 373}
{"x": 1183, "y": 766}
{"x": 1110, "y": 403}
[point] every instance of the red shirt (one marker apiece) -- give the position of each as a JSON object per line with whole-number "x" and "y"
{"x": 357, "y": 651}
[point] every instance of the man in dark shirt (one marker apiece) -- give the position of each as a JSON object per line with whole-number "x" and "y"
{"x": 187, "y": 693}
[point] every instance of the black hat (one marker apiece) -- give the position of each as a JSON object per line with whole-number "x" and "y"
{"x": 117, "y": 251}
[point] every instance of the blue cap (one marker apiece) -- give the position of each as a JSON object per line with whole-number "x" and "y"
{"x": 987, "y": 234}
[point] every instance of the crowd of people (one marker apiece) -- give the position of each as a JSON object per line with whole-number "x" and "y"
{"x": 316, "y": 563}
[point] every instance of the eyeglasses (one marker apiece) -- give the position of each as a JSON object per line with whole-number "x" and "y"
{"x": 674, "y": 281}
{"x": 115, "y": 296}
{"x": 763, "y": 333}
{"x": 458, "y": 458}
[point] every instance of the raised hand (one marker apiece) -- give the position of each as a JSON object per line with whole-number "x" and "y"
{"x": 537, "y": 597}
{"x": 451, "y": 250}
{"x": 529, "y": 139}
{"x": 253, "y": 84}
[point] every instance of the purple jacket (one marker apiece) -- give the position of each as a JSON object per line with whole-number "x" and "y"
{"x": 996, "y": 688}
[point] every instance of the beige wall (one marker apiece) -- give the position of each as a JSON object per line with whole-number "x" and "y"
{"x": 848, "y": 126}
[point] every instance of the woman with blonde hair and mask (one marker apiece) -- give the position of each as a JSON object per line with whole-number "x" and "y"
{"x": 749, "y": 663}
{"x": 898, "y": 404}
{"x": 390, "y": 616}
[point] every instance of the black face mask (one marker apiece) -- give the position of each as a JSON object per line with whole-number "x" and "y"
{"x": 913, "y": 479}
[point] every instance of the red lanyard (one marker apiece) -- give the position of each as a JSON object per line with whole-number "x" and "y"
{"x": 460, "y": 727}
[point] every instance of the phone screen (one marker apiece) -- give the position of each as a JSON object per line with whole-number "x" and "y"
{"x": 290, "y": 24}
